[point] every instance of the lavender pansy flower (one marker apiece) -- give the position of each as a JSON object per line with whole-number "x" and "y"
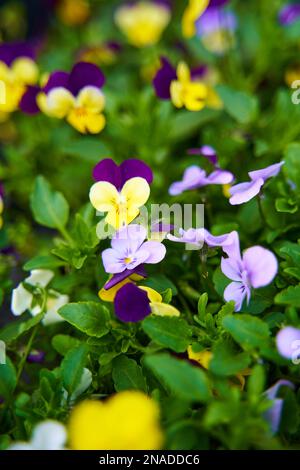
{"x": 244, "y": 192}
{"x": 289, "y": 14}
{"x": 108, "y": 170}
{"x": 288, "y": 342}
{"x": 273, "y": 414}
{"x": 256, "y": 268}
{"x": 195, "y": 177}
{"x": 206, "y": 151}
{"x": 129, "y": 250}
{"x": 229, "y": 242}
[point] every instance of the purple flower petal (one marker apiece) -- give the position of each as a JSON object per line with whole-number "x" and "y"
{"x": 206, "y": 151}
{"x": 108, "y": 170}
{"x": 193, "y": 177}
{"x": 192, "y": 236}
{"x": 129, "y": 239}
{"x": 229, "y": 242}
{"x": 273, "y": 414}
{"x": 57, "y": 79}
{"x": 119, "y": 277}
{"x": 84, "y": 74}
{"x": 289, "y": 14}
{"x": 237, "y": 292}
{"x": 163, "y": 78}
{"x": 12, "y": 50}
{"x": 156, "y": 251}
{"x": 243, "y": 192}
{"x": 113, "y": 261}
{"x": 28, "y": 102}
{"x": 215, "y": 19}
{"x": 131, "y": 304}
{"x": 36, "y": 357}
{"x": 218, "y": 3}
{"x": 267, "y": 172}
{"x": 261, "y": 266}
{"x": 198, "y": 73}
{"x": 231, "y": 267}
{"x": 220, "y": 177}
{"x": 288, "y": 342}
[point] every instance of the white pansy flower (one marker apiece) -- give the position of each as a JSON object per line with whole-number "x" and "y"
{"x": 22, "y": 299}
{"x": 47, "y": 435}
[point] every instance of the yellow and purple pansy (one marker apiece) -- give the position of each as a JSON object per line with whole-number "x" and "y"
{"x": 76, "y": 97}
{"x": 143, "y": 22}
{"x": 120, "y": 191}
{"x": 17, "y": 71}
{"x": 184, "y": 87}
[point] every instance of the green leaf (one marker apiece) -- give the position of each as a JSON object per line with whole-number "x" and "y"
{"x": 256, "y": 382}
{"x": 127, "y": 375}
{"x": 186, "y": 123}
{"x": 8, "y": 379}
{"x": 238, "y": 104}
{"x": 286, "y": 205}
{"x": 170, "y": 332}
{"x": 86, "y": 148}
{"x": 63, "y": 343}
{"x": 160, "y": 283}
{"x": 72, "y": 367}
{"x": 292, "y": 162}
{"x": 225, "y": 361}
{"x": 250, "y": 332}
{"x": 48, "y": 206}
{"x": 91, "y": 318}
{"x": 289, "y": 296}
{"x": 43, "y": 262}
{"x": 14, "y": 330}
{"x": 180, "y": 377}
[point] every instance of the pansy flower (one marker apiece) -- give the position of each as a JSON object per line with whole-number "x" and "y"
{"x": 129, "y": 250}
{"x": 76, "y": 97}
{"x": 244, "y": 192}
{"x": 73, "y": 13}
{"x": 29, "y": 295}
{"x": 289, "y": 14}
{"x": 195, "y": 177}
{"x": 143, "y": 22}
{"x": 216, "y": 28}
{"x": 17, "y": 71}
{"x": 198, "y": 236}
{"x": 194, "y": 11}
{"x": 184, "y": 87}
{"x": 128, "y": 420}
{"x": 255, "y": 268}
{"x": 288, "y": 342}
{"x": 120, "y": 190}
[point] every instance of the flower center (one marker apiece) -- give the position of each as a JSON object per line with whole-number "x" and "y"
{"x": 127, "y": 260}
{"x": 80, "y": 112}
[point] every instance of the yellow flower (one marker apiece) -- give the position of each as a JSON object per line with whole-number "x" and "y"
{"x": 185, "y": 92}
{"x": 127, "y": 421}
{"x": 121, "y": 207}
{"x": 192, "y": 12}
{"x": 73, "y": 13}
{"x": 204, "y": 357}
{"x": 84, "y": 112}
{"x": 142, "y": 23}
{"x": 13, "y": 81}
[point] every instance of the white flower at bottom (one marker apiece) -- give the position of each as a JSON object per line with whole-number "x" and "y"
{"x": 47, "y": 435}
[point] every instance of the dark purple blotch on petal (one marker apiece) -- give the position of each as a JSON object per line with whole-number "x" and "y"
{"x": 199, "y": 72}
{"x": 85, "y": 74}
{"x": 163, "y": 78}
{"x": 10, "y": 51}
{"x": 131, "y": 304}
{"x": 108, "y": 170}
{"x": 119, "y": 277}
{"x": 28, "y": 102}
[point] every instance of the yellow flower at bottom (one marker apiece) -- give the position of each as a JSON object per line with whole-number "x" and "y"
{"x": 128, "y": 420}
{"x": 185, "y": 92}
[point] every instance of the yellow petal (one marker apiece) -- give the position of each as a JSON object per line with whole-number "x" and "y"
{"x": 95, "y": 123}
{"x": 153, "y": 296}
{"x": 192, "y": 12}
{"x": 25, "y": 70}
{"x": 104, "y": 196}
{"x": 164, "y": 310}
{"x": 109, "y": 295}
{"x": 202, "y": 357}
{"x": 176, "y": 93}
{"x": 91, "y": 98}
{"x": 183, "y": 73}
{"x": 135, "y": 193}
{"x": 5, "y": 72}
{"x": 195, "y": 95}
{"x": 58, "y": 103}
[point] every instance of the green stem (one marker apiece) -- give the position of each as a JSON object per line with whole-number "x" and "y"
{"x": 66, "y": 235}
{"x": 26, "y": 352}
